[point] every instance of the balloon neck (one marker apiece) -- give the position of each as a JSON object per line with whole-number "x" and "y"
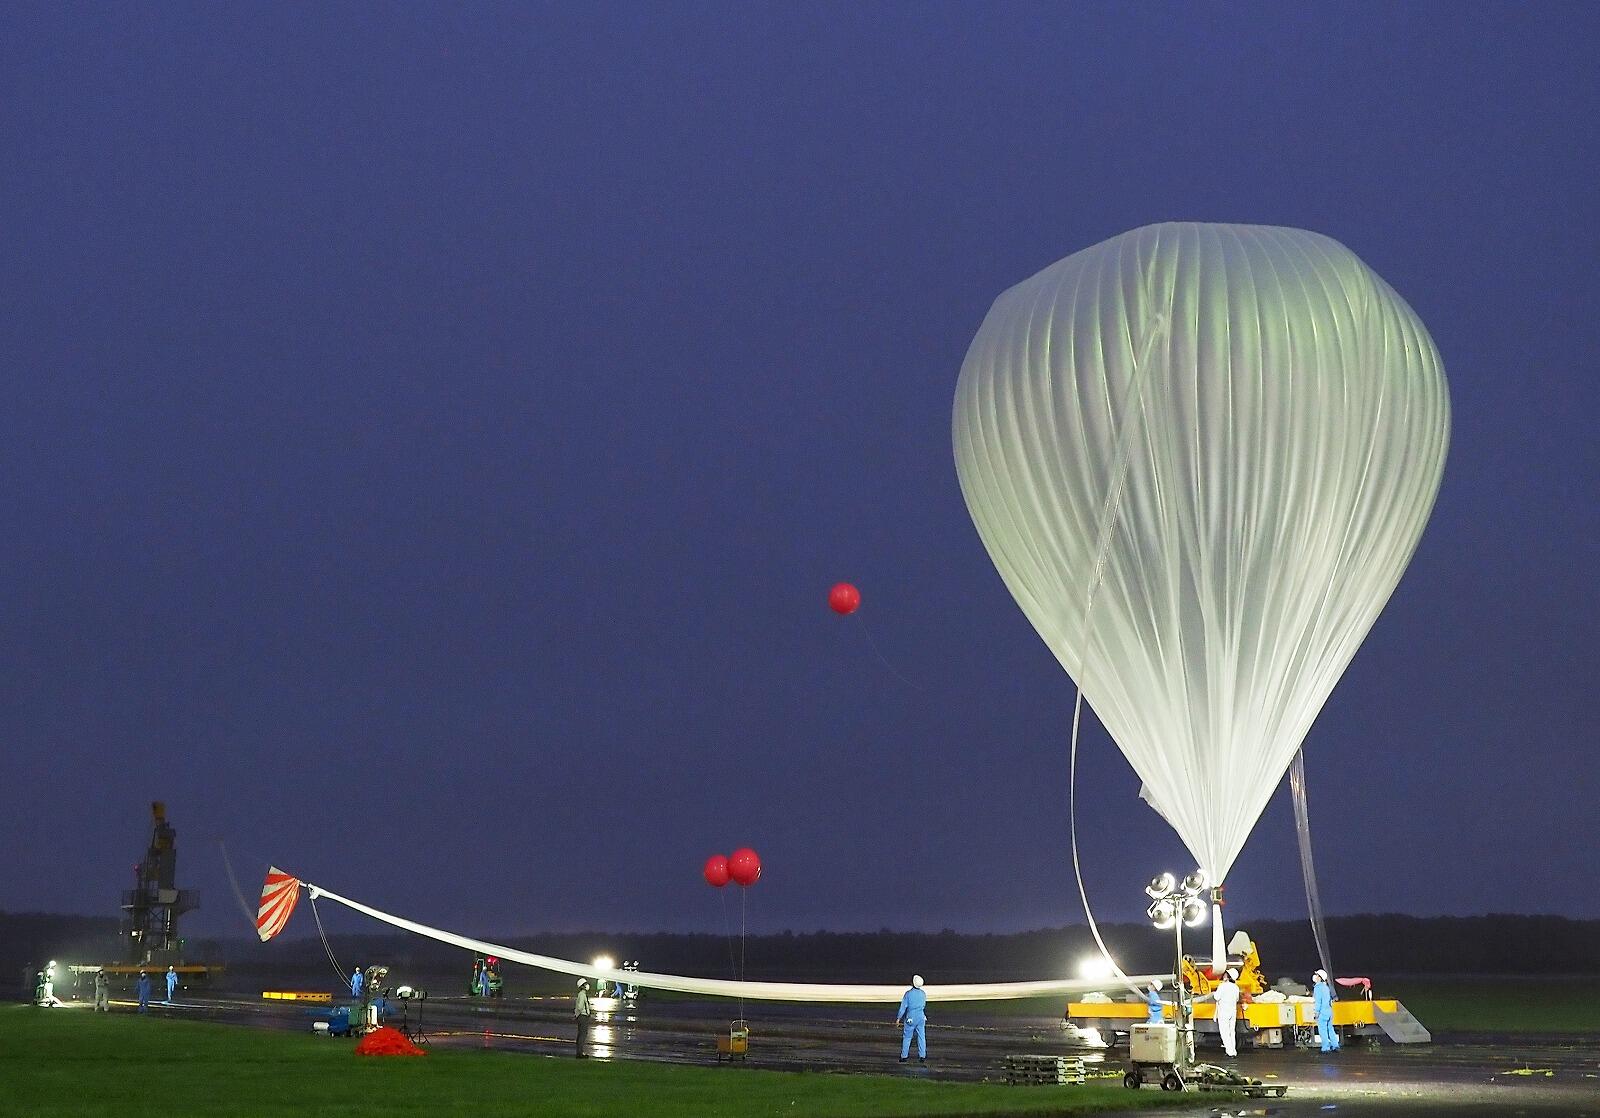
{"x": 1219, "y": 948}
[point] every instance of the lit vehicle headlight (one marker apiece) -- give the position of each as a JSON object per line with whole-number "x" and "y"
{"x": 1095, "y": 967}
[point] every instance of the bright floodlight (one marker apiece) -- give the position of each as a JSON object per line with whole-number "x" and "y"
{"x": 1164, "y": 913}
{"x": 1161, "y": 885}
{"x": 604, "y": 962}
{"x": 1194, "y": 912}
{"x": 1195, "y": 882}
{"x": 1095, "y": 967}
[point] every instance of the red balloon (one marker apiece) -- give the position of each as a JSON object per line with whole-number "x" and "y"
{"x": 844, "y": 598}
{"x": 744, "y": 866}
{"x": 716, "y": 871}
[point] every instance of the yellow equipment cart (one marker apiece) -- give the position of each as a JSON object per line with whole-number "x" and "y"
{"x": 735, "y": 1043}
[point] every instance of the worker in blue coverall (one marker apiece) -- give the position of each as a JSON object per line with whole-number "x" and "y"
{"x": 483, "y": 982}
{"x": 1322, "y": 1004}
{"x": 144, "y": 992}
{"x": 172, "y": 984}
{"x": 357, "y": 981}
{"x": 913, "y": 1014}
{"x": 1158, "y": 1008}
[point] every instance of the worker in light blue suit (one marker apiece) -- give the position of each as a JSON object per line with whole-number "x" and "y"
{"x": 1322, "y": 1005}
{"x": 357, "y": 981}
{"x": 1157, "y": 1007}
{"x": 172, "y": 984}
{"x": 143, "y": 989}
{"x": 914, "y": 1015}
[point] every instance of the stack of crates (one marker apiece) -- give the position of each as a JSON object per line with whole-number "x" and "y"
{"x": 1044, "y": 1070}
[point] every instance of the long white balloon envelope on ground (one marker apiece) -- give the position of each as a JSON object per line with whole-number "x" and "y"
{"x": 722, "y": 988}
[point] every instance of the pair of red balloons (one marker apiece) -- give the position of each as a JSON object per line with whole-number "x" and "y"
{"x": 743, "y": 867}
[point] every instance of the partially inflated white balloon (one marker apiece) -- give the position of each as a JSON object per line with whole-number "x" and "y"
{"x": 1200, "y": 457}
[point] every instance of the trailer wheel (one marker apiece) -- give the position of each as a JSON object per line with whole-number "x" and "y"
{"x": 1132, "y": 1080}
{"x": 1171, "y": 1082}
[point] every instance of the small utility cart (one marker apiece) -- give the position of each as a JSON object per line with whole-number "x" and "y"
{"x": 1155, "y": 1052}
{"x": 735, "y": 1043}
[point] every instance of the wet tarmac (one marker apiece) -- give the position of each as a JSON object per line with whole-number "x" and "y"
{"x": 1466, "y": 1075}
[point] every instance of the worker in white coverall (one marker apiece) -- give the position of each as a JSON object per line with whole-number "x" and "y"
{"x": 914, "y": 1015}
{"x": 1226, "y": 997}
{"x": 580, "y": 1013}
{"x": 1322, "y": 1004}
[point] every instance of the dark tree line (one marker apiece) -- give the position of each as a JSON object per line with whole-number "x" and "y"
{"x": 1385, "y": 944}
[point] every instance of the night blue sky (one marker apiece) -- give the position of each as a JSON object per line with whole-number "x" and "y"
{"x": 431, "y": 432}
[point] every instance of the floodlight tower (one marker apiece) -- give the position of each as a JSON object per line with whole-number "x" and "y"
{"x": 1177, "y": 906}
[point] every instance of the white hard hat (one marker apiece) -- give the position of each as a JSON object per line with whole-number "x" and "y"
{"x": 583, "y": 982}
{"x": 1233, "y": 975}
{"x": 916, "y": 980}
{"x": 1155, "y": 984}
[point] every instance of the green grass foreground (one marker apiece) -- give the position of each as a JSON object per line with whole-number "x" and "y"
{"x": 73, "y": 1062}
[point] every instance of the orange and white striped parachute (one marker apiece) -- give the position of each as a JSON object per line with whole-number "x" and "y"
{"x": 278, "y": 896}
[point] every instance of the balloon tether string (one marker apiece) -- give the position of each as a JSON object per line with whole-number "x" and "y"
{"x": 1108, "y": 516}
{"x": 238, "y": 894}
{"x": 1308, "y": 868}
{"x": 727, "y": 934}
{"x": 874, "y": 645}
{"x": 315, "y": 915}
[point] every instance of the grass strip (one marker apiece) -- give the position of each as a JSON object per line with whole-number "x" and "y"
{"x": 74, "y": 1062}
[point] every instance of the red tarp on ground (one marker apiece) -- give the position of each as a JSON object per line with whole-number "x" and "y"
{"x": 387, "y": 1042}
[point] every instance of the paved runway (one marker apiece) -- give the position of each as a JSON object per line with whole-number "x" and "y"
{"x": 1453, "y": 1076}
